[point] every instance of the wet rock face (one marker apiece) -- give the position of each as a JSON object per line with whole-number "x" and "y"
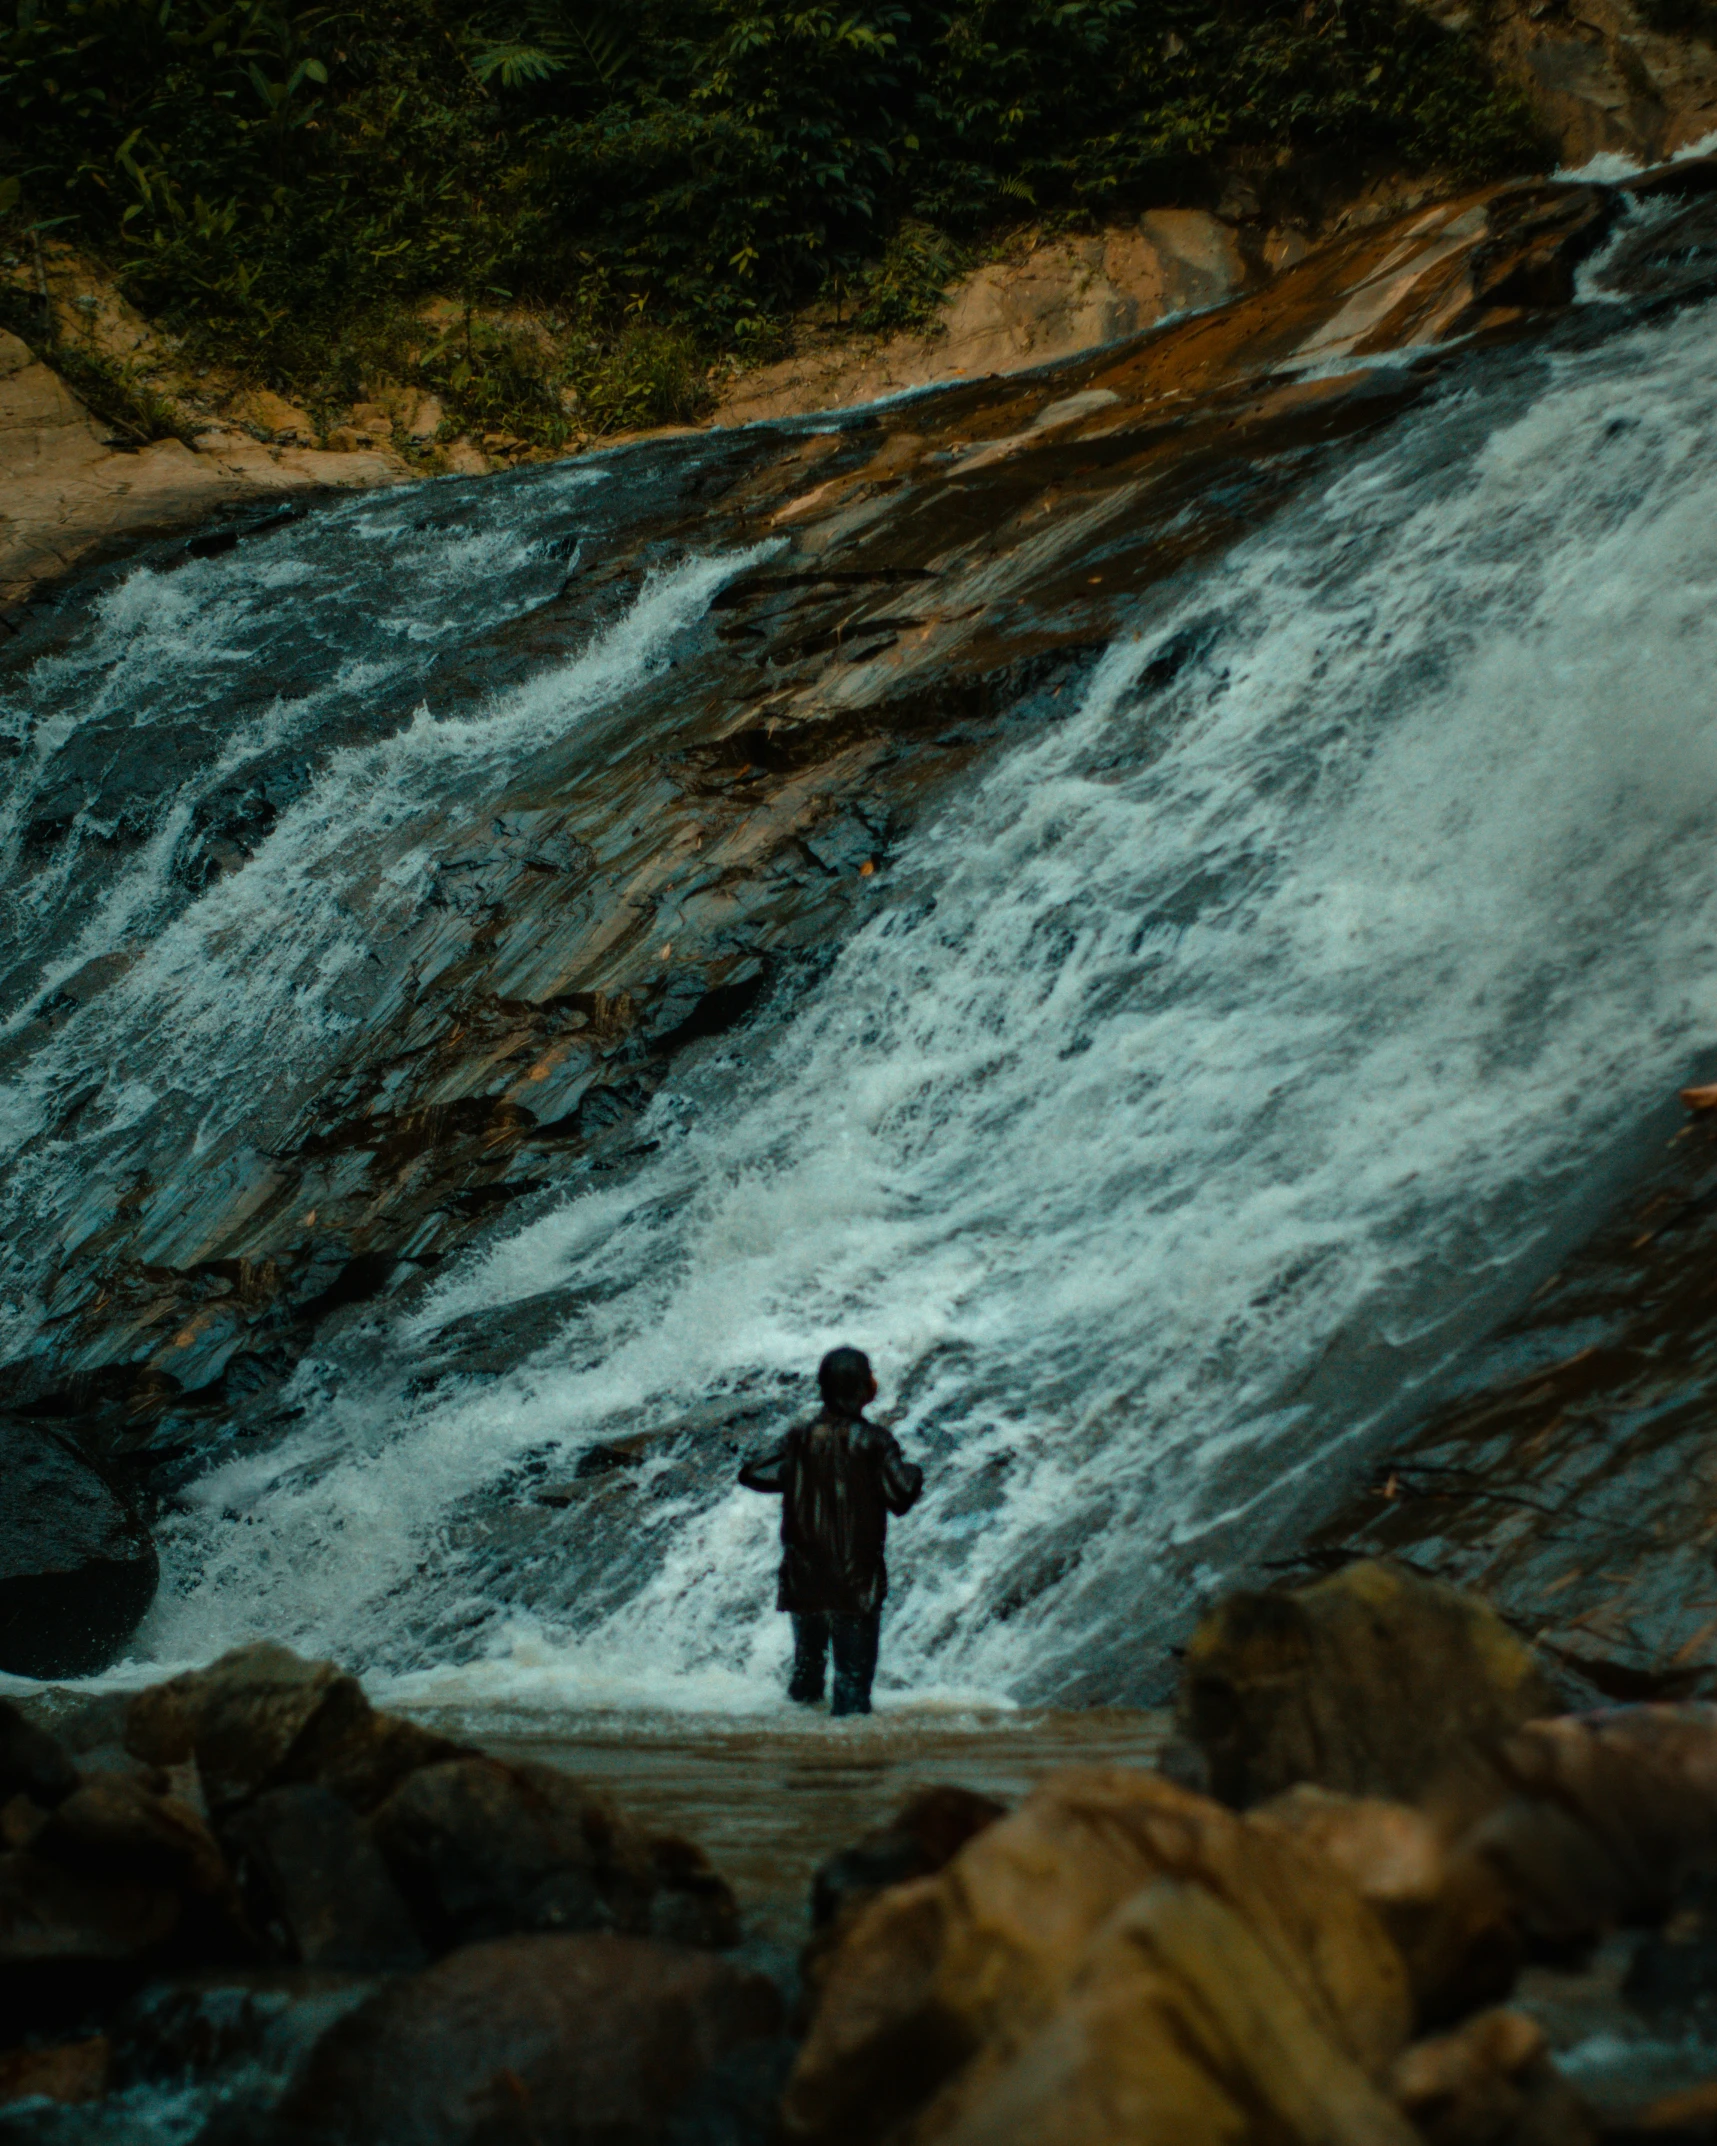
{"x": 77, "y": 1568}
{"x": 1575, "y": 1472}
{"x": 595, "y": 2040}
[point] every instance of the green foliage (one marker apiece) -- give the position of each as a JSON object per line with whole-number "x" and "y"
{"x": 284, "y": 183}
{"x": 902, "y": 290}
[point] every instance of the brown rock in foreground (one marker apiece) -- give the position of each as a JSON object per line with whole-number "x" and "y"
{"x": 965, "y": 1968}
{"x": 1490, "y": 2083}
{"x": 1612, "y": 1811}
{"x": 1452, "y": 1916}
{"x": 1180, "y": 2027}
{"x": 922, "y": 1837}
{"x": 593, "y": 2040}
{"x": 67, "y": 2072}
{"x": 1374, "y": 1681}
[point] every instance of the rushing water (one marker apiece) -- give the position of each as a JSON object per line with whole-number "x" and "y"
{"x": 1206, "y": 1072}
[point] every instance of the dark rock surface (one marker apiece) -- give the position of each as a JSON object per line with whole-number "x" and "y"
{"x": 1375, "y": 1681}
{"x": 481, "y": 1849}
{"x": 32, "y": 1763}
{"x": 1574, "y": 1478}
{"x": 316, "y": 1886}
{"x": 77, "y": 1567}
{"x": 595, "y": 2040}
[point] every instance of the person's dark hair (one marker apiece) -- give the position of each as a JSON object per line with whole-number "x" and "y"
{"x": 844, "y": 1376}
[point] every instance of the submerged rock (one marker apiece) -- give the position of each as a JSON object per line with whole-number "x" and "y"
{"x": 77, "y": 1567}
{"x": 592, "y": 2040}
{"x": 1375, "y": 1681}
{"x": 191, "y": 2025}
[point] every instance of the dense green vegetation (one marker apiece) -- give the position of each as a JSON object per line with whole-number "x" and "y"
{"x": 668, "y": 178}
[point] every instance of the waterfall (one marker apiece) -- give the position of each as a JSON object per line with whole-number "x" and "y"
{"x": 1204, "y": 1073}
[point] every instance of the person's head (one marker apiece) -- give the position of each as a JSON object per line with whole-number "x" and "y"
{"x": 845, "y": 1377}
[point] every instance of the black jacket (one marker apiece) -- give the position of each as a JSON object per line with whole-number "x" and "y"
{"x": 838, "y": 1480}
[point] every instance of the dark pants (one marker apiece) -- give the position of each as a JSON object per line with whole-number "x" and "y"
{"x": 854, "y": 1640}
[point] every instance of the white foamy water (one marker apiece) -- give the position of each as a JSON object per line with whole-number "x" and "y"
{"x": 1206, "y": 1073}
{"x": 231, "y": 1007}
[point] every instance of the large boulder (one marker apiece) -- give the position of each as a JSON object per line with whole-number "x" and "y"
{"x": 32, "y": 1763}
{"x": 1180, "y": 2026}
{"x": 262, "y": 1717}
{"x": 1375, "y": 1681}
{"x": 1454, "y": 1920}
{"x": 480, "y": 1849}
{"x": 77, "y": 1567}
{"x": 1490, "y": 2083}
{"x": 317, "y": 1888}
{"x": 1611, "y": 1811}
{"x": 924, "y": 1835}
{"x": 971, "y": 1963}
{"x": 592, "y": 2040}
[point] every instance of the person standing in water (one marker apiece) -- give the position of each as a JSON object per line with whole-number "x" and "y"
{"x": 838, "y": 1480}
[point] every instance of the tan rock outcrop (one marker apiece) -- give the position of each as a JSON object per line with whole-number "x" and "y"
{"x": 1453, "y": 1918}
{"x": 1065, "y": 295}
{"x": 1180, "y": 2025}
{"x": 1602, "y": 80}
{"x": 274, "y": 416}
{"x": 67, "y": 488}
{"x": 942, "y": 1982}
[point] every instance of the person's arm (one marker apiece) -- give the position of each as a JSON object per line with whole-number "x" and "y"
{"x": 767, "y": 1473}
{"x": 902, "y": 1480}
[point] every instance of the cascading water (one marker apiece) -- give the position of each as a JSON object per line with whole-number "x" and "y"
{"x": 1204, "y": 1073}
